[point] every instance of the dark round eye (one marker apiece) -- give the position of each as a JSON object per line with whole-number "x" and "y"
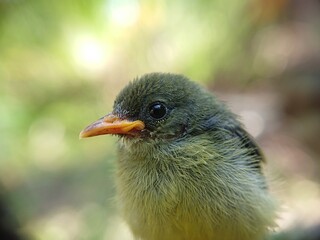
{"x": 157, "y": 110}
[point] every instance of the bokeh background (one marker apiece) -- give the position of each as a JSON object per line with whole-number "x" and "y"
{"x": 63, "y": 62}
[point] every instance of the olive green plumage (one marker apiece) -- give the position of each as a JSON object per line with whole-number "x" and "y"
{"x": 186, "y": 170}
{"x": 193, "y": 173}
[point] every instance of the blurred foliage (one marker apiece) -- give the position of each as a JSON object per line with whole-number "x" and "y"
{"x": 63, "y": 62}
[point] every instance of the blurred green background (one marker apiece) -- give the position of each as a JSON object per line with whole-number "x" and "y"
{"x": 63, "y": 62}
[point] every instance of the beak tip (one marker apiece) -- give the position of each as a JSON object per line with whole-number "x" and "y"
{"x": 82, "y": 135}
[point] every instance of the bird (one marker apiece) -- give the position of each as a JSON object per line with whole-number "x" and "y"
{"x": 187, "y": 169}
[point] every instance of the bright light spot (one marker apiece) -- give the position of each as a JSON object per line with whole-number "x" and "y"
{"x": 118, "y": 230}
{"x": 305, "y": 189}
{"x": 123, "y": 13}
{"x": 253, "y": 122}
{"x": 89, "y": 53}
{"x": 64, "y": 224}
{"x": 305, "y": 193}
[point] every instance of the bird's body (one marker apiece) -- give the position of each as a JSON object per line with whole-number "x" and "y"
{"x": 186, "y": 170}
{"x": 169, "y": 198}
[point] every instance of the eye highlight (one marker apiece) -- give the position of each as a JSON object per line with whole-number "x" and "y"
{"x": 157, "y": 110}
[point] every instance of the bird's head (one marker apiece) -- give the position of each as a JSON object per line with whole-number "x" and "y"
{"x": 159, "y": 106}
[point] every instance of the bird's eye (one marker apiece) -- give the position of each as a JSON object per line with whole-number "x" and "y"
{"x": 157, "y": 110}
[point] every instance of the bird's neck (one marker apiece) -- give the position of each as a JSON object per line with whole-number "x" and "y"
{"x": 172, "y": 153}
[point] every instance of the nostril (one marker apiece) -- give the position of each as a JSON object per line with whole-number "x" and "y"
{"x": 110, "y": 118}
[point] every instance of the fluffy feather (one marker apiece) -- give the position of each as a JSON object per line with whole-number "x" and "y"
{"x": 194, "y": 175}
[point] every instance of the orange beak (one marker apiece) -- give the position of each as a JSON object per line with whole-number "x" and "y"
{"x": 111, "y": 124}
